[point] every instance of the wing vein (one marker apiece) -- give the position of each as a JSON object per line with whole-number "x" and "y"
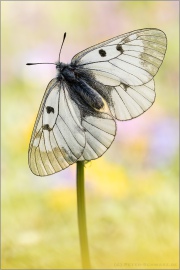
{"x": 153, "y": 49}
{"x": 72, "y": 118}
{"x": 70, "y": 131}
{"x": 66, "y": 143}
{"x": 142, "y": 94}
{"x": 145, "y": 53}
{"x": 48, "y": 155}
{"x": 142, "y": 59}
{"x": 132, "y": 65}
{"x": 126, "y": 72}
{"x": 123, "y": 102}
{"x": 97, "y": 127}
{"x": 37, "y": 147}
{"x": 91, "y": 145}
{"x": 53, "y": 151}
{"x": 60, "y": 149}
{"x": 134, "y": 100}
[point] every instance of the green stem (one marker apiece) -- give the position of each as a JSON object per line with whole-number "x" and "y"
{"x": 82, "y": 216}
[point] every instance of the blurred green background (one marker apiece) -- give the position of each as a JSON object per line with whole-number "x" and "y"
{"x": 132, "y": 191}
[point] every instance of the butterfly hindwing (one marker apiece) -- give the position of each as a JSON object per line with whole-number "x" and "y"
{"x": 133, "y": 58}
{"x": 131, "y": 101}
{"x": 100, "y": 130}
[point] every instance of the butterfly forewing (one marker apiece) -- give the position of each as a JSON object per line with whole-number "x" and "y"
{"x": 133, "y": 58}
{"x": 58, "y": 139}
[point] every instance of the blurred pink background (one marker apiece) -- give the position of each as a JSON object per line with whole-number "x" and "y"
{"x": 132, "y": 191}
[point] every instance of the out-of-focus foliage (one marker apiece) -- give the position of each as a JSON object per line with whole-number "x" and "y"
{"x": 132, "y": 191}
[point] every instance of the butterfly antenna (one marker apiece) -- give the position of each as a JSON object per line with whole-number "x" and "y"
{"x": 62, "y": 45}
{"x": 30, "y": 64}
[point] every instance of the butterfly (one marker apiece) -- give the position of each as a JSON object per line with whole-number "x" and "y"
{"x": 110, "y": 81}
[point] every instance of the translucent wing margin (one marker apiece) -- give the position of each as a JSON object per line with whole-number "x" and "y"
{"x": 133, "y": 58}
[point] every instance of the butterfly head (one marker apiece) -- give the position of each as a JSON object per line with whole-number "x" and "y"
{"x": 65, "y": 71}
{"x": 60, "y": 66}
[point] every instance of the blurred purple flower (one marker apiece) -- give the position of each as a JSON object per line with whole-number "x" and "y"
{"x": 163, "y": 141}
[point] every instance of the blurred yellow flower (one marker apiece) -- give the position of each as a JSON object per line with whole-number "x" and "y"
{"x": 108, "y": 179}
{"x": 61, "y": 199}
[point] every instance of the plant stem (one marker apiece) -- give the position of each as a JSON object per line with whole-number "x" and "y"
{"x": 82, "y": 216}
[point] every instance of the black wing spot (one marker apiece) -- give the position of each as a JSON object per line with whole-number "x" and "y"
{"x": 47, "y": 127}
{"x": 102, "y": 52}
{"x": 119, "y": 48}
{"x": 124, "y": 86}
{"x": 49, "y": 109}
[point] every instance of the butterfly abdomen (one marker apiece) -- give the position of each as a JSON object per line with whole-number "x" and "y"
{"x": 88, "y": 94}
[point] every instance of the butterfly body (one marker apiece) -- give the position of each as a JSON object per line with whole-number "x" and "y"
{"x": 76, "y": 81}
{"x": 110, "y": 81}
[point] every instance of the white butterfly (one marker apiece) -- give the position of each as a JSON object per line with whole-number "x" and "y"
{"x": 108, "y": 81}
